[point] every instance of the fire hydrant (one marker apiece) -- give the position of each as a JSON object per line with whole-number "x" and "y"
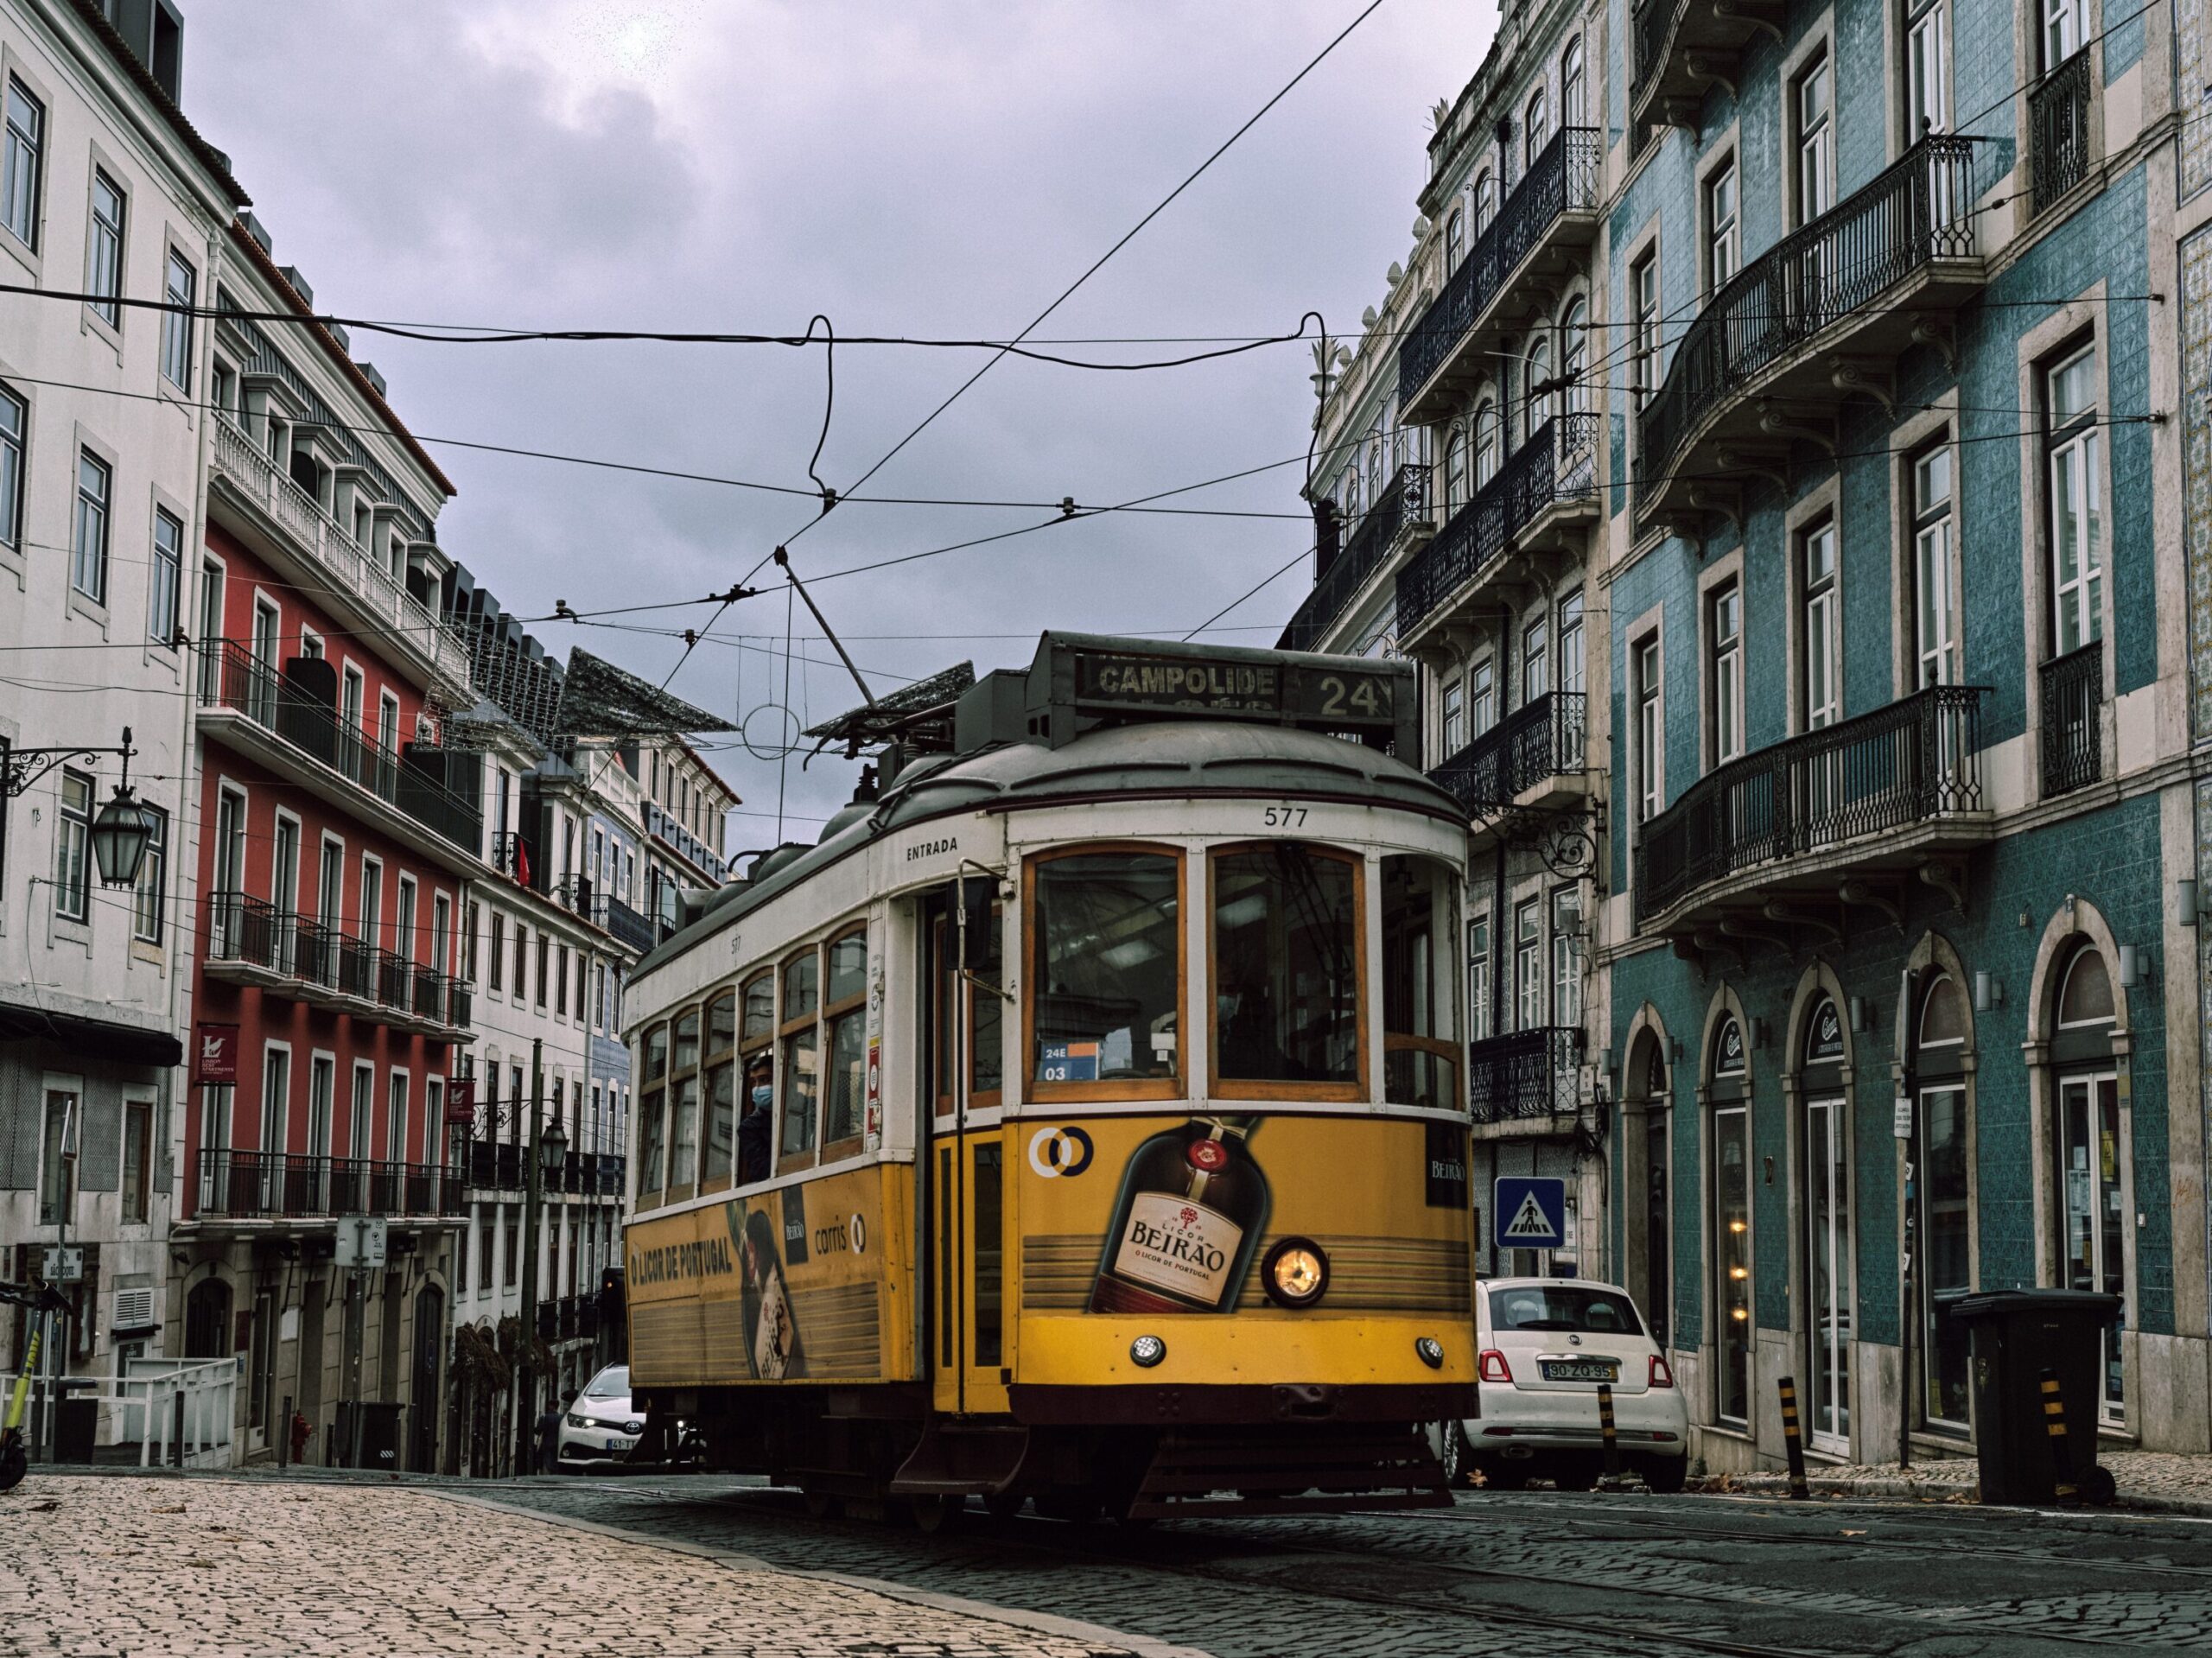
{"x": 299, "y": 1431}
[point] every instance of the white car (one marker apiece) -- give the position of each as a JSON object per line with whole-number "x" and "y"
{"x": 599, "y": 1426}
{"x": 1545, "y": 1345}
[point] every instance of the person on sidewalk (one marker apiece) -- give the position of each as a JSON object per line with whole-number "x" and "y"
{"x": 549, "y": 1433}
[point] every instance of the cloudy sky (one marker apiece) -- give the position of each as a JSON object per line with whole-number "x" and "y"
{"x": 928, "y": 168}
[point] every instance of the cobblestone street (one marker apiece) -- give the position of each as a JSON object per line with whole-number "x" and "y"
{"x": 257, "y": 1565}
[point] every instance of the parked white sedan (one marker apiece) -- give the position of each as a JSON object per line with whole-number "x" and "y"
{"x": 1546, "y": 1343}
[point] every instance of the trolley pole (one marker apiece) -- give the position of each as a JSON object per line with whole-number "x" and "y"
{"x": 525, "y": 1372}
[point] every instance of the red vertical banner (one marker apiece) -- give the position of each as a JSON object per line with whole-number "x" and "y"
{"x": 461, "y": 1100}
{"x": 215, "y": 1054}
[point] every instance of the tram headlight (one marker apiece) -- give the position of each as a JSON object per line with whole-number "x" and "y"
{"x": 1431, "y": 1351}
{"x": 1146, "y": 1351}
{"x": 1296, "y": 1273}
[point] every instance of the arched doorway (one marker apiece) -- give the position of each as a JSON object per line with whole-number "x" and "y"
{"x": 1941, "y": 1179}
{"x": 1728, "y": 1188}
{"x": 1645, "y": 1121}
{"x": 1825, "y": 1206}
{"x": 207, "y": 1320}
{"x": 2090, "y": 1181}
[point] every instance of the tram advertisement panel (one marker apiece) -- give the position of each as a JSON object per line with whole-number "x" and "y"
{"x": 1181, "y": 1214}
{"x": 782, "y": 1285}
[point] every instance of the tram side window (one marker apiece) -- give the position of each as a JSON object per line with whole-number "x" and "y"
{"x": 1286, "y": 971}
{"x": 844, "y": 1012}
{"x": 1105, "y": 983}
{"x": 1421, "y": 1060}
{"x": 801, "y": 1060}
{"x": 718, "y": 1144}
{"x": 683, "y": 1126}
{"x": 986, "y": 1022}
{"x": 653, "y": 1117}
{"x": 756, "y": 1119}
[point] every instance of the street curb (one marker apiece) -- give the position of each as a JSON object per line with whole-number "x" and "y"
{"x": 1769, "y": 1485}
{"x": 1067, "y": 1628}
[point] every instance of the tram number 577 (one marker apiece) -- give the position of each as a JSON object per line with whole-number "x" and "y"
{"x": 1285, "y": 817}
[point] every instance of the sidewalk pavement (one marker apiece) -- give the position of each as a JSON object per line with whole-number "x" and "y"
{"x": 231, "y": 1568}
{"x": 2156, "y": 1481}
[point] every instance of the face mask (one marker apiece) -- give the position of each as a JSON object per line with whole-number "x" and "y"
{"x": 761, "y": 1096}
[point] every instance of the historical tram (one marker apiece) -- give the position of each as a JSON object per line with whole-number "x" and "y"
{"x": 1083, "y": 1118}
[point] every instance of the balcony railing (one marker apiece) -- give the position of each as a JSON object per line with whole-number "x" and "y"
{"x": 1542, "y": 739}
{"x": 1917, "y": 211}
{"x": 1525, "y": 1073}
{"x": 1917, "y": 759}
{"x": 2073, "y": 732}
{"x": 2058, "y": 129}
{"x": 259, "y": 478}
{"x": 615, "y": 915}
{"x": 1558, "y": 463}
{"x": 234, "y": 678}
{"x": 1402, "y": 498}
{"x": 249, "y": 931}
{"x": 1562, "y": 179}
{"x": 292, "y": 1186}
{"x": 495, "y": 1166}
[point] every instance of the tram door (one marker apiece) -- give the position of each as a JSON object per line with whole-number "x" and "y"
{"x": 969, "y": 1186}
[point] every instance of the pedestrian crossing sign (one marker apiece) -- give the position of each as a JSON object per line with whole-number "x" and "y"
{"x": 1529, "y": 1212}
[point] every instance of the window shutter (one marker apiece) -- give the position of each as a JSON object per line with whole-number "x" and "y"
{"x": 99, "y": 1147}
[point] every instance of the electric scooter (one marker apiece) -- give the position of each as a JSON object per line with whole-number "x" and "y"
{"x": 14, "y": 1456}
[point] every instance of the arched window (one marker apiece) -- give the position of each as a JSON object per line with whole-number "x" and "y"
{"x": 1574, "y": 89}
{"x": 207, "y": 1320}
{"x": 1536, "y": 128}
{"x": 1537, "y": 401}
{"x": 1351, "y": 496}
{"x": 1485, "y": 200}
{"x": 1728, "y": 1188}
{"x": 1375, "y": 446}
{"x": 1486, "y": 443}
{"x": 1454, "y": 245}
{"x": 1942, "y": 1258}
{"x": 1455, "y": 470}
{"x": 2090, "y": 1181}
{"x": 1649, "y": 1264}
{"x": 1824, "y": 1201}
{"x": 1574, "y": 356}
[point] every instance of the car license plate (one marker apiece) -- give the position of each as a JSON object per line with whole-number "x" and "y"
{"x": 614, "y": 1444}
{"x": 1580, "y": 1369}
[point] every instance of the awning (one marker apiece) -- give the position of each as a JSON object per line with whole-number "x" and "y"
{"x": 96, "y": 1038}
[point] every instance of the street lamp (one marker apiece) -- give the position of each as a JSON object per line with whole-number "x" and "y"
{"x": 123, "y": 829}
{"x": 552, "y": 1149}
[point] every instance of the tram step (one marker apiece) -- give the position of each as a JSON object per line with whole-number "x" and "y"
{"x": 1290, "y": 1473}
{"x": 955, "y": 1459}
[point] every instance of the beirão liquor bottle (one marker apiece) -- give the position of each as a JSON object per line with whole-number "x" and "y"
{"x": 771, "y": 1335}
{"x": 1192, "y": 1208}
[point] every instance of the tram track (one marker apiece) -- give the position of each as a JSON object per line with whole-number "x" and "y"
{"x": 1144, "y": 1551}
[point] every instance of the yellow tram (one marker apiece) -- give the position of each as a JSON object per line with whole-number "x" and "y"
{"x": 1083, "y": 1118}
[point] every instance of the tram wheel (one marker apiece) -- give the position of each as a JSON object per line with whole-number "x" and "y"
{"x": 821, "y": 1505}
{"x": 1004, "y": 1505}
{"x": 935, "y": 1513}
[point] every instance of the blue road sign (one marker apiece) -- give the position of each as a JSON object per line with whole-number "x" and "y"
{"x": 1529, "y": 1211}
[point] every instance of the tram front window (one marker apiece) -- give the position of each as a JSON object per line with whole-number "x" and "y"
{"x": 1106, "y": 979}
{"x": 1286, "y": 974}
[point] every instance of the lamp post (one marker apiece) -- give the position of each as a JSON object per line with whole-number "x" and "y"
{"x": 124, "y": 828}
{"x": 546, "y": 1150}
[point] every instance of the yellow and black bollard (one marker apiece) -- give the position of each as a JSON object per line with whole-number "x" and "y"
{"x": 2062, "y": 1453}
{"x": 1793, "y": 1439}
{"x": 1606, "y": 1433}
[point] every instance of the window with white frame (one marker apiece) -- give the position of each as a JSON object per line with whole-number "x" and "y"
{"x": 1723, "y": 231}
{"x": 1643, "y": 296}
{"x": 1485, "y": 200}
{"x": 22, "y": 164}
{"x": 150, "y": 900}
{"x": 1812, "y": 101}
{"x": 88, "y": 543}
{"x": 1572, "y": 670}
{"x": 72, "y": 846}
{"x": 2076, "y": 528}
{"x": 1454, "y": 701}
{"x": 1535, "y": 658}
{"x": 103, "y": 251}
{"x": 1537, "y": 399}
{"x": 1926, "y": 70}
{"x": 1725, "y": 635}
{"x": 1650, "y": 731}
{"x": 181, "y": 286}
{"x": 1481, "y": 697}
{"x": 1573, "y": 86}
{"x": 1566, "y": 956}
{"x": 1486, "y": 443}
{"x": 1455, "y": 470}
{"x": 1822, "y": 699}
{"x": 1480, "y": 1025}
{"x": 1537, "y": 128}
{"x": 1575, "y": 358}
{"x": 1935, "y": 645}
{"x": 14, "y": 431}
{"x": 1528, "y": 963}
{"x": 2063, "y": 31}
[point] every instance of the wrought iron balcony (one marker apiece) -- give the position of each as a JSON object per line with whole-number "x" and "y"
{"x": 495, "y": 1166}
{"x": 1553, "y": 208}
{"x": 2058, "y": 129}
{"x": 1559, "y": 463}
{"x": 1809, "y": 814}
{"x": 233, "y": 680}
{"x": 1537, "y": 742}
{"x": 248, "y": 940}
{"x": 1525, "y": 1073}
{"x": 615, "y": 916}
{"x": 1683, "y": 47}
{"x": 291, "y": 1186}
{"x": 1403, "y": 499}
{"x": 2073, "y": 725}
{"x": 1803, "y": 323}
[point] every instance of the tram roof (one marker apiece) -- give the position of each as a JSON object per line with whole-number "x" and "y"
{"x": 1182, "y": 759}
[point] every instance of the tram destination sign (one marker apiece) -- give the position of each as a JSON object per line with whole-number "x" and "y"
{"x": 1336, "y": 695}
